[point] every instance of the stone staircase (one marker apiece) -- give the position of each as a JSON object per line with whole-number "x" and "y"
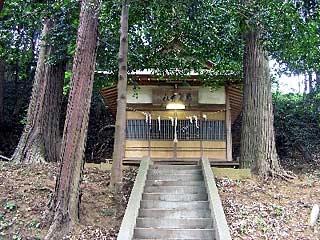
{"x": 174, "y": 205}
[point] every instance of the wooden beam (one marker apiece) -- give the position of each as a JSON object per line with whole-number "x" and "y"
{"x": 228, "y": 127}
{"x": 199, "y": 107}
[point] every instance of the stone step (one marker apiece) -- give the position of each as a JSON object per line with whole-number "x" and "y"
{"x": 174, "y": 189}
{"x": 174, "y": 205}
{"x": 173, "y": 238}
{"x": 165, "y": 233}
{"x": 174, "y": 183}
{"x": 189, "y": 223}
{"x": 177, "y": 177}
{"x": 175, "y": 171}
{"x": 176, "y": 167}
{"x": 174, "y": 213}
{"x": 175, "y": 197}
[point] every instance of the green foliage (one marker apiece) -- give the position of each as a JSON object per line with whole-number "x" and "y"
{"x": 262, "y": 224}
{"x": 168, "y": 37}
{"x": 34, "y": 224}
{"x": 19, "y": 27}
{"x": 172, "y": 39}
{"x": 296, "y": 41}
{"x": 16, "y": 237}
{"x": 180, "y": 37}
{"x": 66, "y": 86}
{"x": 21, "y": 24}
{"x": 278, "y": 210}
{"x": 297, "y": 121}
{"x": 108, "y": 212}
{"x": 10, "y": 206}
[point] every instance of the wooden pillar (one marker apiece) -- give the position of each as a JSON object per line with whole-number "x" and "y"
{"x": 149, "y": 140}
{"x": 201, "y": 139}
{"x": 228, "y": 126}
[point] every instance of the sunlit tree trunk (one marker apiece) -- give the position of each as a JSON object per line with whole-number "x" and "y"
{"x": 258, "y": 149}
{"x": 311, "y": 90}
{"x": 306, "y": 83}
{"x": 40, "y": 139}
{"x": 66, "y": 201}
{"x": 121, "y": 118}
{"x": 317, "y": 84}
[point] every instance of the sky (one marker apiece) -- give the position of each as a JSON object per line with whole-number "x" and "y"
{"x": 287, "y": 84}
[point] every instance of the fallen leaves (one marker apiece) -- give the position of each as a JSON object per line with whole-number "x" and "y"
{"x": 269, "y": 210}
{"x": 25, "y": 193}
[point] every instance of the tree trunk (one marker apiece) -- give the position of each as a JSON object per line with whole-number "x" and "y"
{"x": 311, "y": 90}
{"x": 51, "y": 118}
{"x": 258, "y": 149}
{"x": 2, "y": 78}
{"x": 121, "y": 119}
{"x": 317, "y": 87}
{"x": 40, "y": 137}
{"x": 1, "y": 5}
{"x": 306, "y": 81}
{"x": 65, "y": 205}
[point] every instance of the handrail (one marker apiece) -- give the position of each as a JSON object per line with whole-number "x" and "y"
{"x": 222, "y": 231}
{"x": 129, "y": 220}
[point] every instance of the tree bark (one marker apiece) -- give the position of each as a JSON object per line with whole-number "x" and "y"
{"x": 2, "y": 79}
{"x": 306, "y": 81}
{"x": 1, "y": 5}
{"x": 258, "y": 149}
{"x": 40, "y": 138}
{"x": 51, "y": 118}
{"x": 66, "y": 201}
{"x": 121, "y": 118}
{"x": 311, "y": 90}
{"x": 317, "y": 86}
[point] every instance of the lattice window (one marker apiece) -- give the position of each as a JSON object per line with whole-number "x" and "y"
{"x": 206, "y": 130}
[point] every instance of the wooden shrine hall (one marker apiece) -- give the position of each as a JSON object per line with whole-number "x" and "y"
{"x": 172, "y": 120}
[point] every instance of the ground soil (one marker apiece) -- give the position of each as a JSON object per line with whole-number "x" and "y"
{"x": 254, "y": 209}
{"x": 25, "y": 192}
{"x": 272, "y": 209}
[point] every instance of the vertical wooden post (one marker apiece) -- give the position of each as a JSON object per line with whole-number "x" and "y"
{"x": 174, "y": 134}
{"x": 228, "y": 126}
{"x": 201, "y": 138}
{"x": 149, "y": 139}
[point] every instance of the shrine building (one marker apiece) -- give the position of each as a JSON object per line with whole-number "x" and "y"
{"x": 172, "y": 120}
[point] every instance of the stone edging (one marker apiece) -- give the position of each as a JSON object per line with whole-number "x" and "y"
{"x": 132, "y": 210}
{"x": 222, "y": 231}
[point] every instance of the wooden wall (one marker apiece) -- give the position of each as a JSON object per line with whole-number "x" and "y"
{"x": 183, "y": 149}
{"x": 181, "y": 114}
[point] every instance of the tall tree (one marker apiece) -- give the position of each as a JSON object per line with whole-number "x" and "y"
{"x": 121, "y": 118}
{"x": 258, "y": 149}
{"x": 2, "y": 78}
{"x": 65, "y": 205}
{"x": 40, "y": 139}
